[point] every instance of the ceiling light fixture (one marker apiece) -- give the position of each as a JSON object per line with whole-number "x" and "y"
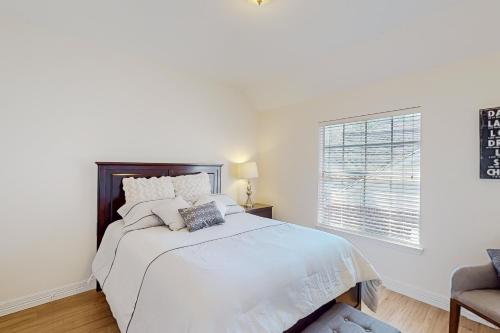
{"x": 261, "y": 2}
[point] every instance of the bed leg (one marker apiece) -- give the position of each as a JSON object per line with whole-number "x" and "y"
{"x": 358, "y": 296}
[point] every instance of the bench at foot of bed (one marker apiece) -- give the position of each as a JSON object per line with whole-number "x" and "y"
{"x": 342, "y": 318}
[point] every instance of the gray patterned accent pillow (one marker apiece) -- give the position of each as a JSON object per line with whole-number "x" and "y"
{"x": 201, "y": 216}
{"x": 495, "y": 259}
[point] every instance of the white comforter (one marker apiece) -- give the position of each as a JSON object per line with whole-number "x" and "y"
{"x": 248, "y": 275}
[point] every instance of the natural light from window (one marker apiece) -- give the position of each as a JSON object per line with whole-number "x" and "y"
{"x": 369, "y": 180}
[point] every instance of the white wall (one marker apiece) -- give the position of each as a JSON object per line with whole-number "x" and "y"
{"x": 66, "y": 103}
{"x": 460, "y": 213}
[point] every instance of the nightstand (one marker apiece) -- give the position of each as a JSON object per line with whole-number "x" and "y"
{"x": 262, "y": 210}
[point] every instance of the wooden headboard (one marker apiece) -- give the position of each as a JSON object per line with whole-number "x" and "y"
{"x": 110, "y": 195}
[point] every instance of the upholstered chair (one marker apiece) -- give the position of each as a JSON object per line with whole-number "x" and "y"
{"x": 476, "y": 289}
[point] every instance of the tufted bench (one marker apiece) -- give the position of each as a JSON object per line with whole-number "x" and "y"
{"x": 342, "y": 318}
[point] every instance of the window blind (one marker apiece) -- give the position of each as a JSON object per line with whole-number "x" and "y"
{"x": 370, "y": 177}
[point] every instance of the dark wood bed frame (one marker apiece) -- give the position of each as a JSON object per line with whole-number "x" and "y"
{"x": 110, "y": 197}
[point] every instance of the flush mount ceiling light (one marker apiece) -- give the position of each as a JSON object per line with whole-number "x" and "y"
{"x": 260, "y": 2}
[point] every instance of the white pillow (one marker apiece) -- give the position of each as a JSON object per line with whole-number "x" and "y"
{"x": 231, "y": 206}
{"x": 168, "y": 212}
{"x": 139, "y": 215}
{"x": 234, "y": 209}
{"x": 208, "y": 198}
{"x": 144, "y": 222}
{"x": 144, "y": 189}
{"x": 192, "y": 187}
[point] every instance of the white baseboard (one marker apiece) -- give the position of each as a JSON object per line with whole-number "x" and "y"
{"x": 43, "y": 297}
{"x": 439, "y": 301}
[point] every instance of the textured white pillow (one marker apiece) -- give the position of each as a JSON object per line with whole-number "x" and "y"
{"x": 140, "y": 215}
{"x": 144, "y": 189}
{"x": 192, "y": 187}
{"x": 209, "y": 198}
{"x": 168, "y": 212}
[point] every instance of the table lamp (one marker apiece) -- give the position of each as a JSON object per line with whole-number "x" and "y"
{"x": 248, "y": 171}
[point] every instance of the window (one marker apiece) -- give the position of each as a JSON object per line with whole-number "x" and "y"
{"x": 370, "y": 177}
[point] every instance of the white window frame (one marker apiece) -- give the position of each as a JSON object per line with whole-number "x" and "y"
{"x": 417, "y": 248}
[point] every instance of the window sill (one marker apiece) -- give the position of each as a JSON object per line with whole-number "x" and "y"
{"x": 384, "y": 242}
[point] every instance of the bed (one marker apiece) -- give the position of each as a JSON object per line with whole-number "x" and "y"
{"x": 250, "y": 274}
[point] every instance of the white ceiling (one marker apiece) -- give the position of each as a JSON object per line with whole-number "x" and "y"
{"x": 283, "y": 52}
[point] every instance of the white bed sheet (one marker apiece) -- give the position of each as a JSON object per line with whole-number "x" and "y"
{"x": 250, "y": 274}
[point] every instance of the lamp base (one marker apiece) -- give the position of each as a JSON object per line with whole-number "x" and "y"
{"x": 249, "y": 202}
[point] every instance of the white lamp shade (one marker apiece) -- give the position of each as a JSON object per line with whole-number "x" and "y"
{"x": 248, "y": 170}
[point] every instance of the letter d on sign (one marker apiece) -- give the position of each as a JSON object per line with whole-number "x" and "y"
{"x": 494, "y": 143}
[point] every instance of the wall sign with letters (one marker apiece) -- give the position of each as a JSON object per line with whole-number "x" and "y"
{"x": 489, "y": 129}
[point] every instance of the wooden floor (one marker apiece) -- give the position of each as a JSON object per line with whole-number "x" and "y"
{"x": 89, "y": 312}
{"x": 411, "y": 316}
